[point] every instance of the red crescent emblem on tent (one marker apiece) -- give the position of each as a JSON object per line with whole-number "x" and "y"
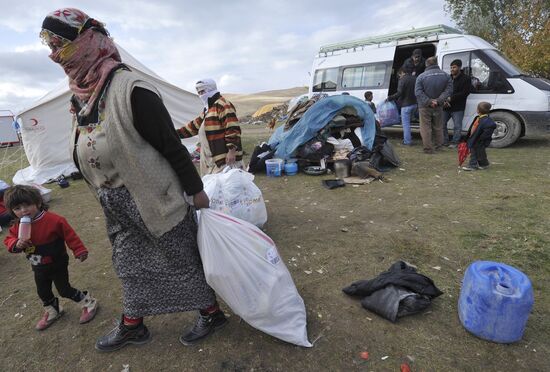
{"x": 34, "y": 122}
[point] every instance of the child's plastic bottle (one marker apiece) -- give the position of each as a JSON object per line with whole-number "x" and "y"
{"x": 24, "y": 228}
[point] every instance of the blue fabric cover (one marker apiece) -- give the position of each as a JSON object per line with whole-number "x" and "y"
{"x": 316, "y": 118}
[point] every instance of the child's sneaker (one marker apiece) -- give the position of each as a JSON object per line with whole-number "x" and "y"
{"x": 468, "y": 168}
{"x": 89, "y": 308}
{"x": 483, "y": 167}
{"x": 49, "y": 317}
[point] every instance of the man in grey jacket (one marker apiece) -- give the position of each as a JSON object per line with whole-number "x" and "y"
{"x": 432, "y": 88}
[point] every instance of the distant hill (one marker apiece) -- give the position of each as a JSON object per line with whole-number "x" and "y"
{"x": 247, "y": 104}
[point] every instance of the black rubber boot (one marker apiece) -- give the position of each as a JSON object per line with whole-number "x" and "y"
{"x": 205, "y": 325}
{"x": 122, "y": 335}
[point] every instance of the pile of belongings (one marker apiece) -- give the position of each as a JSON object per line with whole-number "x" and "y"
{"x": 395, "y": 293}
{"x": 325, "y": 129}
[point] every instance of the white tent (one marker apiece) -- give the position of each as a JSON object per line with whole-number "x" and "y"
{"x": 46, "y": 124}
{"x": 8, "y": 135}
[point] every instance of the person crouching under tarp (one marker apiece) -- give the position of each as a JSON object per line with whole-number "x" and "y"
{"x": 218, "y": 130}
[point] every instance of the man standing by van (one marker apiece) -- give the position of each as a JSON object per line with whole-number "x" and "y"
{"x": 416, "y": 63}
{"x": 406, "y": 98}
{"x": 455, "y": 105}
{"x": 432, "y": 88}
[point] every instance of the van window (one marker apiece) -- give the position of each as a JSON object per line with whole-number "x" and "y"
{"x": 448, "y": 58}
{"x": 370, "y": 76}
{"x": 325, "y": 80}
{"x": 503, "y": 62}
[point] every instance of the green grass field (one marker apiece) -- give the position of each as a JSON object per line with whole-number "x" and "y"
{"x": 426, "y": 212}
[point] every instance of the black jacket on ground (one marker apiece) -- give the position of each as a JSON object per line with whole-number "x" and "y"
{"x": 461, "y": 90}
{"x": 395, "y": 293}
{"x": 483, "y": 134}
{"x": 405, "y": 91}
{"x": 400, "y": 274}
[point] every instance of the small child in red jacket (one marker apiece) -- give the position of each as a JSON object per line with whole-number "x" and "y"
{"x": 46, "y": 250}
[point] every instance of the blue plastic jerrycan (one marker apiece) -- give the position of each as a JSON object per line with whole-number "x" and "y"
{"x": 495, "y": 301}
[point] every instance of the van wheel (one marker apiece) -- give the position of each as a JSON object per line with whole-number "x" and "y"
{"x": 508, "y": 129}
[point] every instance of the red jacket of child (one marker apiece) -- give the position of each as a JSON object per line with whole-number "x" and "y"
{"x": 50, "y": 234}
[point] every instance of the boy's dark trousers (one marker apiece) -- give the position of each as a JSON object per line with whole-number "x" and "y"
{"x": 478, "y": 156}
{"x": 58, "y": 273}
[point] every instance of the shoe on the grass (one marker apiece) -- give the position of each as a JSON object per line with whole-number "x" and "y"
{"x": 469, "y": 168}
{"x": 89, "y": 308}
{"x": 123, "y": 335}
{"x": 205, "y": 325}
{"x": 483, "y": 167}
{"x": 49, "y": 317}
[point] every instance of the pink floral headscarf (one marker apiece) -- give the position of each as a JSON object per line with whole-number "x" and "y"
{"x": 87, "y": 53}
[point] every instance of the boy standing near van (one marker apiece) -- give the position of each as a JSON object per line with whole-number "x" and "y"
{"x": 455, "y": 105}
{"x": 479, "y": 137}
{"x": 432, "y": 88}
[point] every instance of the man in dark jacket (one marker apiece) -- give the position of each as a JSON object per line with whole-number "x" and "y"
{"x": 432, "y": 88}
{"x": 479, "y": 137}
{"x": 455, "y": 105}
{"x": 416, "y": 63}
{"x": 406, "y": 98}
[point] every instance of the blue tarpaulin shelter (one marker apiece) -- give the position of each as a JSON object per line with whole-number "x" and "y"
{"x": 316, "y": 118}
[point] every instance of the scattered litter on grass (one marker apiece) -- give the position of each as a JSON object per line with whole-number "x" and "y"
{"x": 319, "y": 315}
{"x": 266, "y": 201}
{"x": 437, "y": 176}
{"x": 298, "y": 246}
{"x": 411, "y": 358}
{"x": 18, "y": 315}
{"x": 344, "y": 229}
{"x": 445, "y": 258}
{"x": 200, "y": 350}
{"x": 293, "y": 259}
{"x": 294, "y": 227}
{"x": 425, "y": 205}
{"x": 455, "y": 222}
{"x": 125, "y": 368}
{"x": 436, "y": 267}
{"x": 320, "y": 271}
{"x": 343, "y": 217}
{"x": 384, "y": 357}
{"x": 354, "y": 185}
{"x": 368, "y": 318}
{"x": 96, "y": 218}
{"x": 402, "y": 169}
{"x": 314, "y": 253}
{"x": 308, "y": 272}
{"x": 364, "y": 355}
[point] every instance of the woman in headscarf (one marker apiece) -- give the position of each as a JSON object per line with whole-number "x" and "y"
{"x": 128, "y": 150}
{"x": 218, "y": 130}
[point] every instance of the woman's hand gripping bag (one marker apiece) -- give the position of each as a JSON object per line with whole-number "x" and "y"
{"x": 242, "y": 265}
{"x": 233, "y": 192}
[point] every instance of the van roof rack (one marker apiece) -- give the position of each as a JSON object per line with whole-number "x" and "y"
{"x": 410, "y": 34}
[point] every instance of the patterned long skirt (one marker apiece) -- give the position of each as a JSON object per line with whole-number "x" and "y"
{"x": 158, "y": 275}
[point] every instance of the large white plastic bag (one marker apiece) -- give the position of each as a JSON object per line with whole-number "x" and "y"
{"x": 242, "y": 265}
{"x": 233, "y": 192}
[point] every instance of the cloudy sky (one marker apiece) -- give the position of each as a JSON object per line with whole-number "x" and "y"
{"x": 246, "y": 45}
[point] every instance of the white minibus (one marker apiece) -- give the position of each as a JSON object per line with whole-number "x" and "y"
{"x": 520, "y": 103}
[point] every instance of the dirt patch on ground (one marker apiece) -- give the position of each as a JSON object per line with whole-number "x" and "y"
{"x": 247, "y": 104}
{"x": 426, "y": 213}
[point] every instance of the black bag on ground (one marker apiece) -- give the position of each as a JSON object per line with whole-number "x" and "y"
{"x": 260, "y": 154}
